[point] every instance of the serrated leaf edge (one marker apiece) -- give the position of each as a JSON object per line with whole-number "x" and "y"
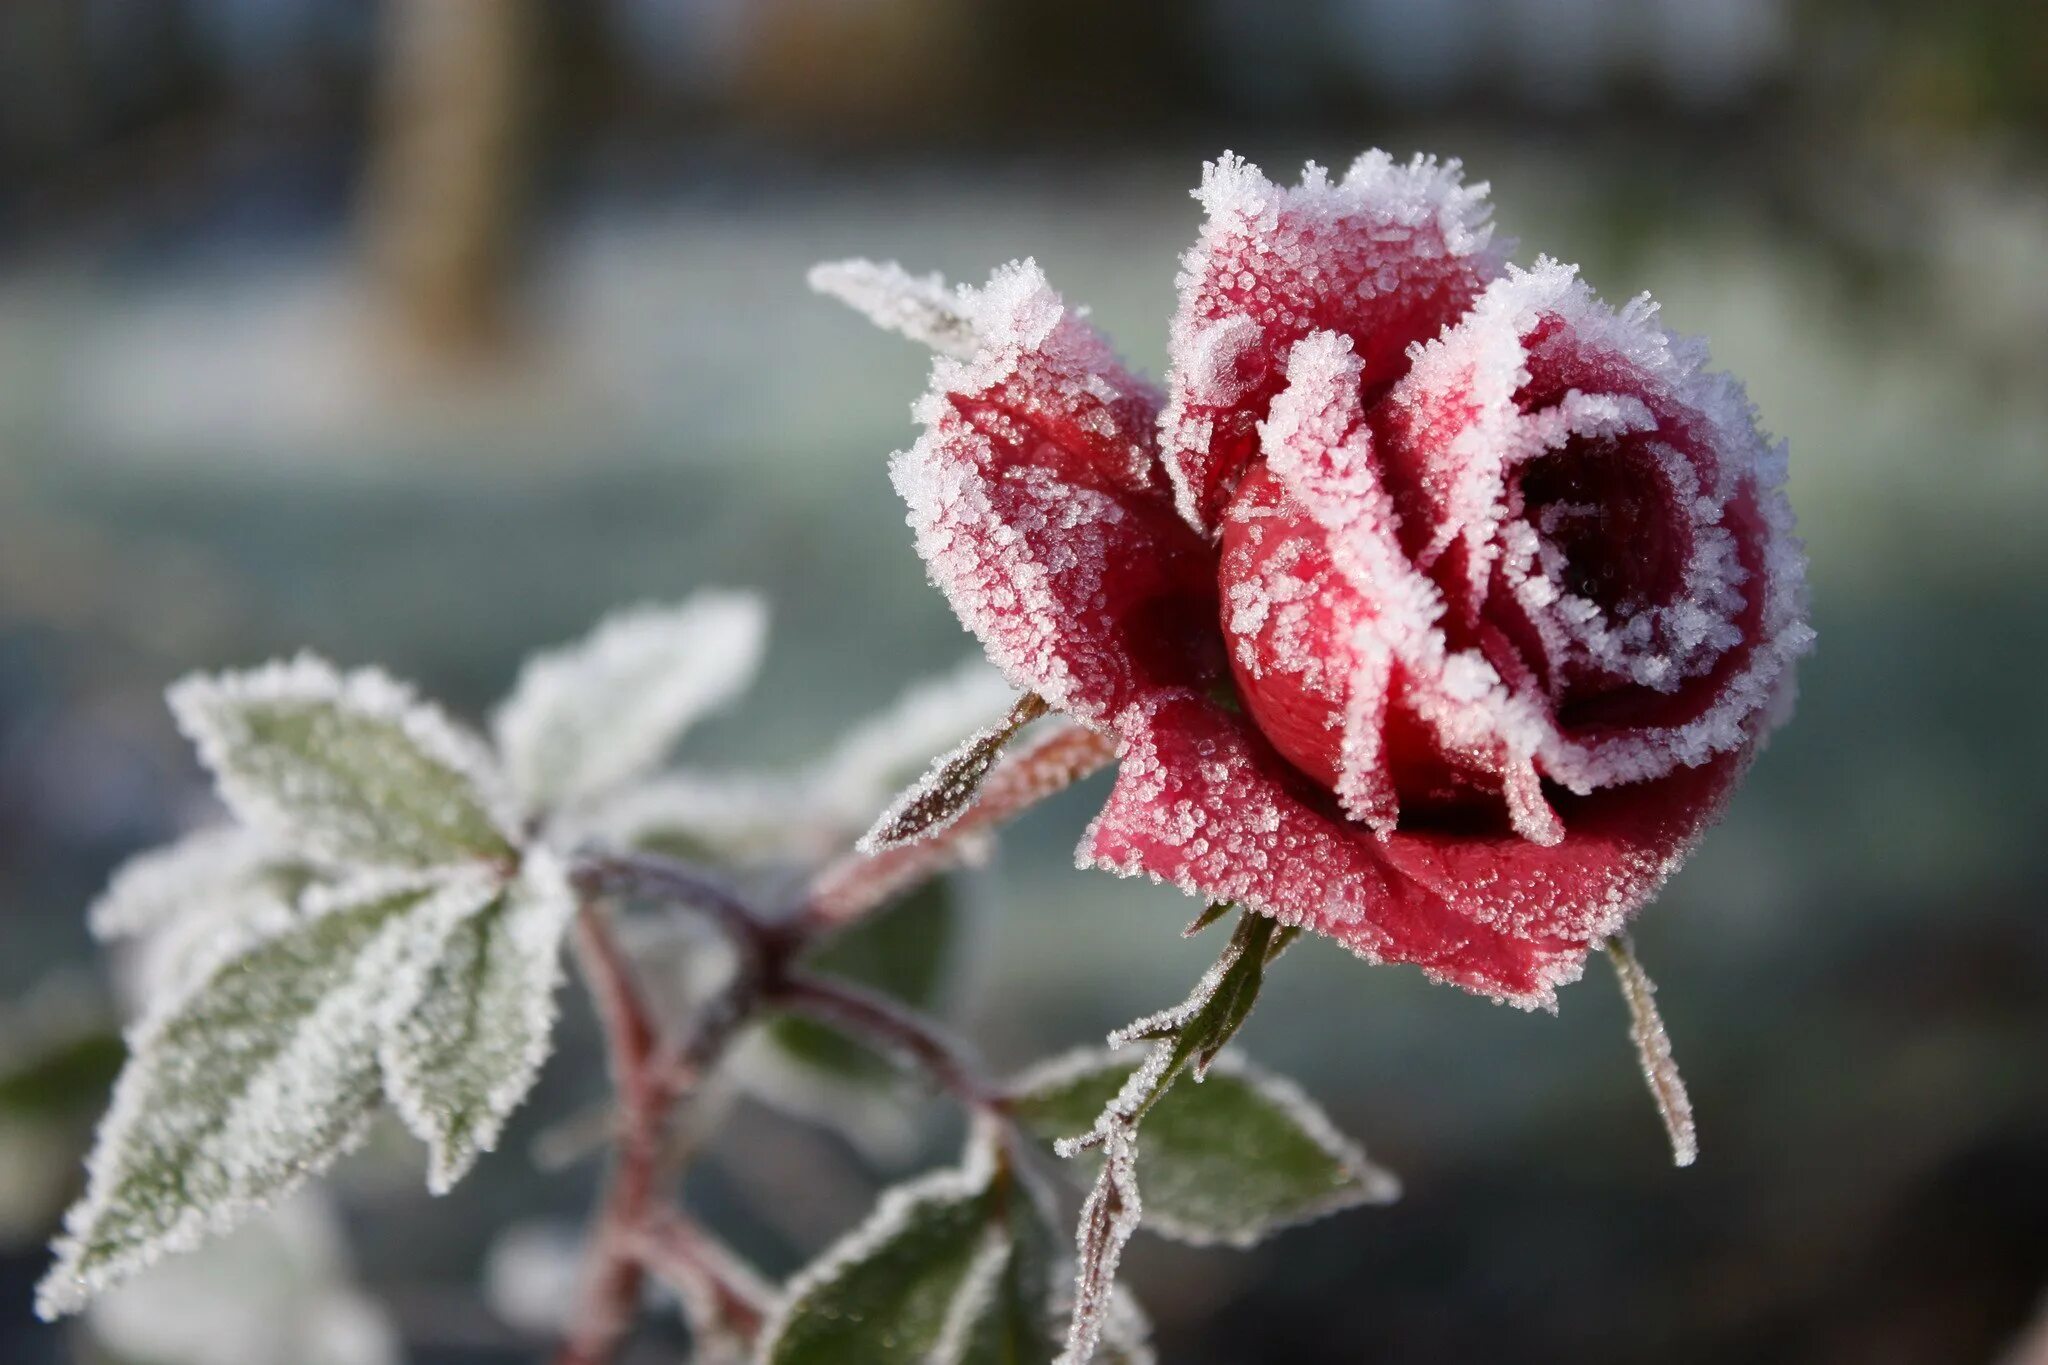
{"x": 544, "y": 876}
{"x": 892, "y": 1212}
{"x": 198, "y": 700}
{"x": 1376, "y": 1185}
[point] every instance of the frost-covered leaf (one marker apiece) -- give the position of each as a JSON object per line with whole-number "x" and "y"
{"x": 810, "y": 813}
{"x": 256, "y": 1078}
{"x": 920, "y": 307}
{"x": 278, "y": 1290}
{"x": 935, "y": 800}
{"x": 1109, "y": 1217}
{"x": 1230, "y": 1160}
{"x": 953, "y": 1269}
{"x": 908, "y": 951}
{"x": 589, "y": 717}
{"x": 156, "y": 886}
{"x": 172, "y": 907}
{"x": 457, "y": 1063}
{"x": 346, "y": 768}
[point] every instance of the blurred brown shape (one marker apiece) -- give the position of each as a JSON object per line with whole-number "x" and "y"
{"x": 446, "y": 175}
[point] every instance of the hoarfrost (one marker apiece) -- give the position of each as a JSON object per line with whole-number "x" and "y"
{"x": 1653, "y": 1050}
{"x": 348, "y": 768}
{"x": 461, "y": 1059}
{"x": 936, "y": 800}
{"x": 920, "y": 307}
{"x": 250, "y": 1082}
{"x": 592, "y": 716}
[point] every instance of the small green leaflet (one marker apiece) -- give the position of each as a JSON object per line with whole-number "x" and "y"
{"x": 1230, "y": 1160}
{"x": 348, "y": 769}
{"x": 937, "y": 799}
{"x": 587, "y": 718}
{"x": 458, "y": 1063}
{"x": 255, "y": 1079}
{"x": 957, "y": 1268}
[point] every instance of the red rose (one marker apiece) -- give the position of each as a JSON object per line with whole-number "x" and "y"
{"x": 1435, "y": 606}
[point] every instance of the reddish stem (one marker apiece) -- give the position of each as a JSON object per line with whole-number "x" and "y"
{"x": 613, "y": 1279}
{"x": 858, "y": 882}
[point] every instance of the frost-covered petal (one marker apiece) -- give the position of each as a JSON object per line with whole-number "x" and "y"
{"x": 1386, "y": 256}
{"x": 1203, "y": 803}
{"x": 1040, "y": 512}
{"x": 593, "y": 715}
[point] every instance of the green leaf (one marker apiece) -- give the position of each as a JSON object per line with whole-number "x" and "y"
{"x": 1229, "y": 1160}
{"x": 461, "y": 1061}
{"x": 955, "y": 1269}
{"x": 346, "y": 768}
{"x": 589, "y": 717}
{"x": 254, "y": 1079}
{"x": 907, "y": 951}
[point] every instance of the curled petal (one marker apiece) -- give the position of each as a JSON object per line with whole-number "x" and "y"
{"x": 1203, "y": 803}
{"x": 1386, "y": 256}
{"x": 1040, "y": 512}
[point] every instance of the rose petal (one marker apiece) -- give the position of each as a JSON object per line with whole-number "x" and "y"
{"x": 1040, "y": 511}
{"x": 1386, "y": 256}
{"x": 1202, "y": 802}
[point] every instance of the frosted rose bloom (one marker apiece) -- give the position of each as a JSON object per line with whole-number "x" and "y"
{"x": 1435, "y": 606}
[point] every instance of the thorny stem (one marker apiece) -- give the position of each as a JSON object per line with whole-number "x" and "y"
{"x": 634, "y": 1229}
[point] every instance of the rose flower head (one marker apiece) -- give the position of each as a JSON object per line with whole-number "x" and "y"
{"x": 1435, "y": 606}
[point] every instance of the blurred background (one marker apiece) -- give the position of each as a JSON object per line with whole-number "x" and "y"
{"x": 422, "y": 332}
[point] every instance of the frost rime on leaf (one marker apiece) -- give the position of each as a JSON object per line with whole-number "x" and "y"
{"x": 457, "y": 1063}
{"x": 606, "y": 709}
{"x": 949, "y": 1269}
{"x": 345, "y": 768}
{"x": 1230, "y": 1161}
{"x": 938, "y": 798}
{"x": 256, "y": 1079}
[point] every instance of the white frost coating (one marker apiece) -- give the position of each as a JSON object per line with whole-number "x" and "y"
{"x": 247, "y": 1109}
{"x": 1653, "y": 1051}
{"x": 460, "y": 1059}
{"x": 920, "y": 307}
{"x": 978, "y": 1289}
{"x": 874, "y": 760}
{"x": 595, "y": 714}
{"x": 312, "y": 811}
{"x": 933, "y": 802}
{"x": 813, "y": 811}
{"x": 1109, "y": 1217}
{"x": 153, "y": 888}
{"x": 1269, "y": 260}
{"x": 1375, "y": 1184}
{"x": 891, "y": 1214}
{"x": 277, "y": 1290}
{"x": 1024, "y": 573}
